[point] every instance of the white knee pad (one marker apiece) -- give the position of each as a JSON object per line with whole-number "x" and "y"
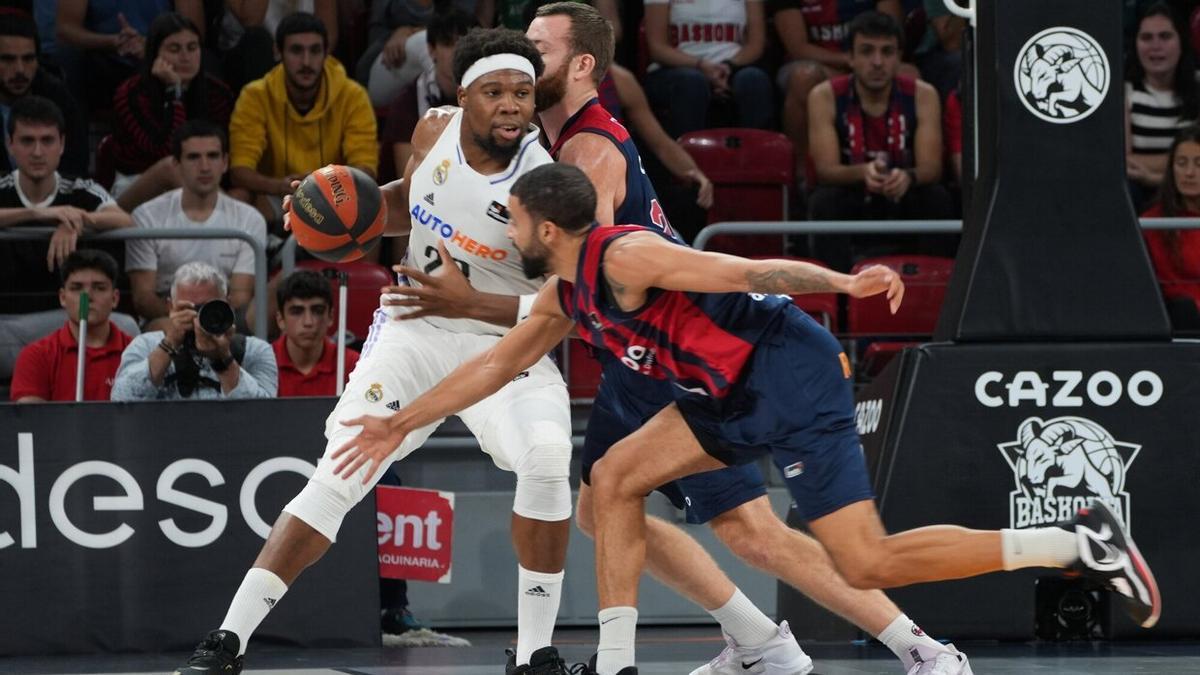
{"x": 322, "y": 507}
{"x": 543, "y": 492}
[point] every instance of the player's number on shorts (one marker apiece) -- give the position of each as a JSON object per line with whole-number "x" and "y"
{"x": 436, "y": 262}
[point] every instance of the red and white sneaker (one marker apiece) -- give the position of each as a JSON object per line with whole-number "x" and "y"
{"x": 1107, "y": 553}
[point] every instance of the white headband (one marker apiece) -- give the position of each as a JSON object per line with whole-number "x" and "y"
{"x": 490, "y": 64}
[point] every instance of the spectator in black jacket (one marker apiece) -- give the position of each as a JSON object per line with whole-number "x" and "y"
{"x": 20, "y": 76}
{"x": 169, "y": 89}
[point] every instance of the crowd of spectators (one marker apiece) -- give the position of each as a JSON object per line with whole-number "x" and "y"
{"x": 166, "y": 114}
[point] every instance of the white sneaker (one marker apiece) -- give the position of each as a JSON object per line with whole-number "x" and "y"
{"x": 949, "y": 662}
{"x": 781, "y": 655}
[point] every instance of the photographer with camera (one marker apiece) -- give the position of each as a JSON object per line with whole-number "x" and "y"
{"x": 197, "y": 355}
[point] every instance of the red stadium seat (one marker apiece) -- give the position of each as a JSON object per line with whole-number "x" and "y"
{"x": 752, "y": 171}
{"x": 106, "y": 166}
{"x": 821, "y": 306}
{"x": 582, "y": 371}
{"x": 362, "y": 294}
{"x": 925, "y": 279}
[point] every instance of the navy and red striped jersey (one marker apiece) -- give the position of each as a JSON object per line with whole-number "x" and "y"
{"x": 828, "y": 20}
{"x": 862, "y": 137}
{"x": 641, "y": 206}
{"x": 700, "y": 341}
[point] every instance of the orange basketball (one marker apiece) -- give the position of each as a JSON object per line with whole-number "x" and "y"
{"x": 337, "y": 213}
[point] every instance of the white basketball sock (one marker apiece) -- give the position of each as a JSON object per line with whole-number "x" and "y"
{"x": 1040, "y": 547}
{"x": 257, "y": 595}
{"x": 618, "y": 626}
{"x": 743, "y": 621}
{"x": 902, "y": 636}
{"x": 537, "y": 609}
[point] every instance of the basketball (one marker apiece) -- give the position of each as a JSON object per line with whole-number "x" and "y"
{"x": 337, "y": 213}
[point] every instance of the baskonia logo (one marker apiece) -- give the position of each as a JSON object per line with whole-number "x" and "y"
{"x": 1062, "y": 75}
{"x": 1061, "y": 464}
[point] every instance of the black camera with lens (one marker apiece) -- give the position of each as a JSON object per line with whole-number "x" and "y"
{"x": 215, "y": 317}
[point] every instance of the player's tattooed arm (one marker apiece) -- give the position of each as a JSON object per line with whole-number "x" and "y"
{"x": 644, "y": 260}
{"x": 795, "y": 276}
{"x": 781, "y": 279}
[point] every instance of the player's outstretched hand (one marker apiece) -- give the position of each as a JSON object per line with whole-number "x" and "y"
{"x": 878, "y": 279}
{"x": 447, "y": 293}
{"x": 287, "y": 205}
{"x": 374, "y": 444}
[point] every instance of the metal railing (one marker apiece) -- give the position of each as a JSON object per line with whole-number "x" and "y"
{"x": 287, "y": 255}
{"x": 288, "y": 252}
{"x": 740, "y": 227}
{"x": 125, "y": 234}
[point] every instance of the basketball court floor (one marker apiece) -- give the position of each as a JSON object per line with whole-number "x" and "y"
{"x": 661, "y": 651}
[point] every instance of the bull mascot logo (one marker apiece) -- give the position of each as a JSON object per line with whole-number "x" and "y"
{"x": 1062, "y": 75}
{"x": 1060, "y": 465}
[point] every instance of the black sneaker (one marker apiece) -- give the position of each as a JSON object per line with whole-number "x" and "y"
{"x": 589, "y": 668}
{"x": 544, "y": 661}
{"x": 217, "y": 653}
{"x": 398, "y": 621}
{"x": 1107, "y": 553}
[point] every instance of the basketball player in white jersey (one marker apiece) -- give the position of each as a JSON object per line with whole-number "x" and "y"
{"x": 451, "y": 202}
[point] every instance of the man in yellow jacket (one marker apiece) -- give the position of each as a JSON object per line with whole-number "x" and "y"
{"x": 303, "y": 114}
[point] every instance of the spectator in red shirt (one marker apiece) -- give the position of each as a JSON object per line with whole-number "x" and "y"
{"x": 46, "y": 369}
{"x": 307, "y": 358}
{"x": 1176, "y": 253}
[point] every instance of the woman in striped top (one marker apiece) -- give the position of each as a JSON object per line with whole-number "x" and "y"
{"x": 1160, "y": 95}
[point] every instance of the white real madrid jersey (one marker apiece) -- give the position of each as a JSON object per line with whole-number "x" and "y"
{"x": 451, "y": 202}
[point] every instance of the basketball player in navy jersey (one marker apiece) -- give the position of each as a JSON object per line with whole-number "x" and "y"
{"x": 576, "y": 46}
{"x": 464, "y": 161}
{"x": 575, "y": 42}
{"x": 752, "y": 375}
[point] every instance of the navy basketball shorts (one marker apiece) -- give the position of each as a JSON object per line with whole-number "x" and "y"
{"x": 623, "y": 404}
{"x": 794, "y": 400}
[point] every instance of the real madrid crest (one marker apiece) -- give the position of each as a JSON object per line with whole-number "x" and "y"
{"x": 374, "y": 393}
{"x": 441, "y": 172}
